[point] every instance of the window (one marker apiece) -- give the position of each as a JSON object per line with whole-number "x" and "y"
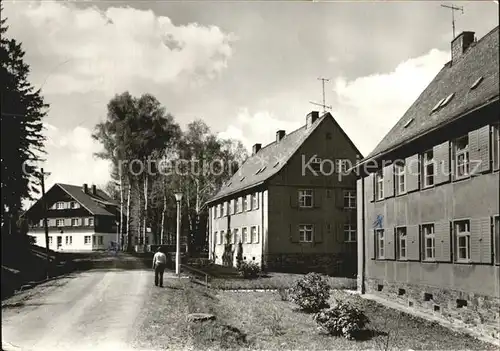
{"x": 69, "y": 240}
{"x": 75, "y": 204}
{"x": 496, "y": 146}
{"x": 462, "y": 240}
{"x": 255, "y": 201}
{"x": 231, "y": 207}
{"x": 91, "y": 221}
{"x": 349, "y": 233}
{"x": 429, "y": 242}
{"x": 349, "y": 199}
{"x": 235, "y": 238}
{"x": 224, "y": 209}
{"x": 41, "y": 223}
{"x": 100, "y": 240}
{"x": 254, "y": 235}
{"x": 476, "y": 83}
{"x": 437, "y": 105}
{"x": 244, "y": 233}
{"x": 305, "y": 198}
{"x": 401, "y": 243}
{"x": 461, "y": 149}
{"x": 75, "y": 221}
{"x": 218, "y": 210}
{"x": 94, "y": 240}
{"x": 216, "y": 238}
{"x": 214, "y": 209}
{"x": 379, "y": 185}
{"x": 86, "y": 239}
{"x": 59, "y": 222}
{"x": 316, "y": 164}
{"x": 379, "y": 243}
{"x": 342, "y": 165}
{"x": 408, "y": 123}
{"x": 428, "y": 168}
{"x": 447, "y": 100}
{"x": 238, "y": 205}
{"x": 305, "y": 233}
{"x": 399, "y": 175}
{"x": 60, "y": 206}
{"x": 244, "y": 201}
{"x": 50, "y": 240}
{"x": 222, "y": 239}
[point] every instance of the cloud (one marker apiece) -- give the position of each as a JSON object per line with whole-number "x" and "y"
{"x": 72, "y": 157}
{"x": 367, "y": 107}
{"x": 259, "y": 127}
{"x": 86, "y": 49}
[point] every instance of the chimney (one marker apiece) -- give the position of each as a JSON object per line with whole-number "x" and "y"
{"x": 311, "y": 118}
{"x": 94, "y": 190}
{"x": 85, "y": 188}
{"x": 280, "y": 134}
{"x": 256, "y": 148}
{"x": 460, "y": 44}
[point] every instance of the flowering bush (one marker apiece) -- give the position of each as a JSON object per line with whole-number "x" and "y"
{"x": 249, "y": 269}
{"x": 341, "y": 319}
{"x": 311, "y": 293}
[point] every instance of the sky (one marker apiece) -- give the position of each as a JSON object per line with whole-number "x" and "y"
{"x": 246, "y": 68}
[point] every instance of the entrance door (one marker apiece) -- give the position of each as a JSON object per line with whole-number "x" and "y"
{"x": 59, "y": 241}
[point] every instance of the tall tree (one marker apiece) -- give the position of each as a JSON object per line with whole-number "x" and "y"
{"x": 22, "y": 141}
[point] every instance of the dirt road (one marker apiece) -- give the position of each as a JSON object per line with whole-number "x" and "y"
{"x": 94, "y": 310}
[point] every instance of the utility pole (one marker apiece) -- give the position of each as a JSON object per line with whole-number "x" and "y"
{"x": 45, "y": 222}
{"x": 325, "y": 107}
{"x": 453, "y": 9}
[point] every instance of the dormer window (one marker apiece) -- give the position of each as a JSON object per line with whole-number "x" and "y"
{"x": 447, "y": 100}
{"x": 60, "y": 206}
{"x": 438, "y": 105}
{"x": 476, "y": 83}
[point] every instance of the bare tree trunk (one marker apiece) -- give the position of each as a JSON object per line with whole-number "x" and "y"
{"x": 144, "y": 231}
{"x": 129, "y": 236}
{"x": 120, "y": 244}
{"x": 163, "y": 214}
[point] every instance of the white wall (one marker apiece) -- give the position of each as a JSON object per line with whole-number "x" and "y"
{"x": 77, "y": 242}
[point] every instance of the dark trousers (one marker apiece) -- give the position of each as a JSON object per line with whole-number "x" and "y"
{"x": 159, "y": 269}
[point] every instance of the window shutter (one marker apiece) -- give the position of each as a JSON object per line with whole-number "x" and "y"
{"x": 371, "y": 243}
{"x": 443, "y": 241}
{"x": 480, "y": 240}
{"x": 412, "y": 174}
{"x": 369, "y": 190}
{"x": 294, "y": 233}
{"x": 339, "y": 197}
{"x": 389, "y": 244}
{"x": 412, "y": 243}
{"x": 496, "y": 234}
{"x": 389, "y": 181}
{"x": 52, "y": 222}
{"x": 67, "y": 222}
{"x": 317, "y": 197}
{"x": 441, "y": 162}
{"x": 474, "y": 154}
{"x": 294, "y": 198}
{"x": 257, "y": 231}
{"x": 484, "y": 148}
{"x": 318, "y": 232}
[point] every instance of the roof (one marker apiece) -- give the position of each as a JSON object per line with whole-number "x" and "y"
{"x": 480, "y": 60}
{"x": 96, "y": 204}
{"x": 271, "y": 159}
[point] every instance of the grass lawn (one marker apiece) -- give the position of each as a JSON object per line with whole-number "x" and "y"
{"x": 261, "y": 320}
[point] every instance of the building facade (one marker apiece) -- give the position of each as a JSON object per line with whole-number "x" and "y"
{"x": 291, "y": 205}
{"x": 428, "y": 196}
{"x": 79, "y": 219}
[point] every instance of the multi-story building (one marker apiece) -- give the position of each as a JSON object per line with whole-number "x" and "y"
{"x": 79, "y": 218}
{"x": 291, "y": 205}
{"x": 428, "y": 195}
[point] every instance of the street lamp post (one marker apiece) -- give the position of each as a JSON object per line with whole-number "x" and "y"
{"x": 178, "y": 198}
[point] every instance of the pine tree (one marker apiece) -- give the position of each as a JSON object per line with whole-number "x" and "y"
{"x": 22, "y": 141}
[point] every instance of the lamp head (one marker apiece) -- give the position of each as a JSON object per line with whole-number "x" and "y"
{"x": 178, "y": 196}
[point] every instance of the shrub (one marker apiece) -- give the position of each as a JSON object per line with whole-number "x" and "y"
{"x": 311, "y": 293}
{"x": 283, "y": 293}
{"x": 249, "y": 269}
{"x": 239, "y": 255}
{"x": 341, "y": 319}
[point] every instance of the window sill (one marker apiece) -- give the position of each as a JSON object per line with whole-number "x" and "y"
{"x": 463, "y": 261}
{"x": 429, "y": 260}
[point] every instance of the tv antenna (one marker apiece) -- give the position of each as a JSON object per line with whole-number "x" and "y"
{"x": 325, "y": 107}
{"x": 453, "y": 9}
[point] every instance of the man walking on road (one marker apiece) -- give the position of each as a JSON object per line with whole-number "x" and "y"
{"x": 159, "y": 265}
